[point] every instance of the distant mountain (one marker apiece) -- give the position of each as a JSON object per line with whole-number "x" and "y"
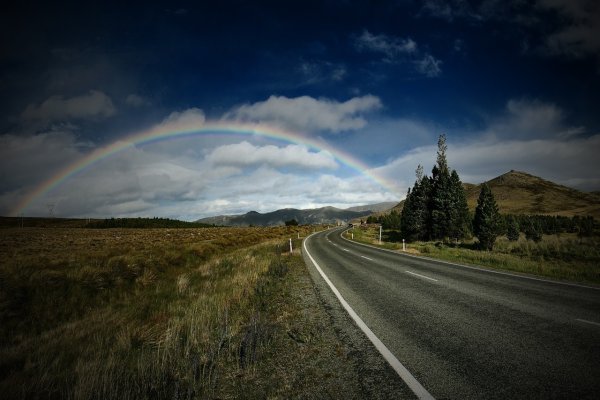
{"x": 375, "y": 208}
{"x": 324, "y": 215}
{"x": 522, "y": 193}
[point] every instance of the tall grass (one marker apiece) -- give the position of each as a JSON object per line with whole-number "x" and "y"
{"x": 133, "y": 314}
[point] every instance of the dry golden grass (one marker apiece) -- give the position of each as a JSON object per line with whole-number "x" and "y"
{"x": 128, "y": 313}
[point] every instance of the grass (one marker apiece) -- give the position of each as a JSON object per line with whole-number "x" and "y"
{"x": 161, "y": 313}
{"x": 564, "y": 257}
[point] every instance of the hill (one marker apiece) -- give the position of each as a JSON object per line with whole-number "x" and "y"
{"x": 375, "y": 208}
{"x": 522, "y": 193}
{"x": 324, "y": 215}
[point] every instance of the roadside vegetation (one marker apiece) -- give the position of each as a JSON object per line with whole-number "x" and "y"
{"x": 436, "y": 221}
{"x": 162, "y": 313}
{"x": 559, "y": 256}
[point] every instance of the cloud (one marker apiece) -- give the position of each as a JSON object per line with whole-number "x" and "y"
{"x": 579, "y": 33}
{"x": 449, "y": 10}
{"x": 136, "y": 101}
{"x": 399, "y": 51}
{"x": 429, "y": 66}
{"x": 246, "y": 154}
{"x": 306, "y": 113}
{"x": 529, "y": 135}
{"x": 391, "y": 47}
{"x": 320, "y": 72}
{"x": 31, "y": 159}
{"x": 524, "y": 118}
{"x": 180, "y": 120}
{"x": 94, "y": 104}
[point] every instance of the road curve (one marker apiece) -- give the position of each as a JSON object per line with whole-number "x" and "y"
{"x": 468, "y": 333}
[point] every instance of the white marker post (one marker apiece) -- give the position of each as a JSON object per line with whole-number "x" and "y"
{"x": 352, "y": 235}
{"x": 403, "y": 245}
{"x": 379, "y": 234}
{"x": 291, "y": 249}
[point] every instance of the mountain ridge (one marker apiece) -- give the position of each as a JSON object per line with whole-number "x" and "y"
{"x": 324, "y": 215}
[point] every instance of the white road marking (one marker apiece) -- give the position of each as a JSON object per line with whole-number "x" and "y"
{"x": 400, "y": 369}
{"x": 587, "y": 322}
{"x": 490, "y": 271}
{"x": 422, "y": 276}
{"x": 370, "y": 259}
{"x": 345, "y": 249}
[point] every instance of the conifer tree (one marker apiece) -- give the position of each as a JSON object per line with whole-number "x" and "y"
{"x": 459, "y": 218}
{"x": 512, "y": 228}
{"x": 486, "y": 223}
{"x": 441, "y": 194}
{"x": 440, "y": 203}
{"x": 414, "y": 215}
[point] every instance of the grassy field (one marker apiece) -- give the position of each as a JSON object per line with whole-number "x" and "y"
{"x": 564, "y": 257}
{"x": 162, "y": 313}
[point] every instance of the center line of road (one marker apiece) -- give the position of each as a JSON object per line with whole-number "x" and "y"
{"x": 422, "y": 276}
{"x": 370, "y": 259}
{"x": 587, "y": 322}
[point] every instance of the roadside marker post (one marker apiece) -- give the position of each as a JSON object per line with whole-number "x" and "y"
{"x": 379, "y": 234}
{"x": 403, "y": 245}
{"x": 291, "y": 249}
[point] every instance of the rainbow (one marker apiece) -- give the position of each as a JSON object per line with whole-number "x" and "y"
{"x": 181, "y": 130}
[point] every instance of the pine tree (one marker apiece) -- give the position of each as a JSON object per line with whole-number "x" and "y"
{"x": 512, "y": 228}
{"x": 414, "y": 217}
{"x": 440, "y": 194}
{"x": 533, "y": 229}
{"x": 460, "y": 219}
{"x": 440, "y": 203}
{"x": 486, "y": 223}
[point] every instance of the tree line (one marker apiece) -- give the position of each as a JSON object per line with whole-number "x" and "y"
{"x": 145, "y": 223}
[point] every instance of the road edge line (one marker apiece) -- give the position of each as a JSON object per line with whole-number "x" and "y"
{"x": 400, "y": 369}
{"x": 482, "y": 269}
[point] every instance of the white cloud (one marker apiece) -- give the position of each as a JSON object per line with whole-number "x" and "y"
{"x": 530, "y": 136}
{"x": 306, "y": 113}
{"x": 246, "y": 154}
{"x": 429, "y": 66}
{"x": 94, "y": 104}
{"x": 399, "y": 50}
{"x": 391, "y": 47}
{"x": 525, "y": 118}
{"x": 180, "y": 120}
{"x": 320, "y": 72}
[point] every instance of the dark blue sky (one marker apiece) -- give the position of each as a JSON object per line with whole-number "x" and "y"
{"x": 515, "y": 76}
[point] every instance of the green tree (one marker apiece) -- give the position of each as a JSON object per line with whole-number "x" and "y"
{"x": 291, "y": 222}
{"x": 415, "y": 214}
{"x": 487, "y": 221}
{"x": 460, "y": 219}
{"x": 533, "y": 229}
{"x": 512, "y": 228}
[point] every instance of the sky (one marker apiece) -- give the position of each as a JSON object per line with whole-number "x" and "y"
{"x": 299, "y": 104}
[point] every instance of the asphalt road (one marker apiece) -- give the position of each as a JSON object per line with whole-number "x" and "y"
{"x": 467, "y": 333}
